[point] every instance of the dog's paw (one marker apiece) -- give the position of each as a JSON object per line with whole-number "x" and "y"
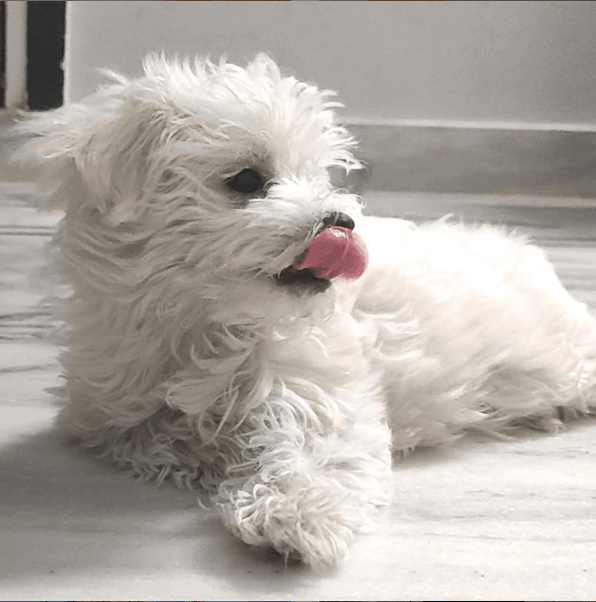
{"x": 314, "y": 526}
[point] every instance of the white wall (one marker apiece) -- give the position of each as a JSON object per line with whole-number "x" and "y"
{"x": 529, "y": 62}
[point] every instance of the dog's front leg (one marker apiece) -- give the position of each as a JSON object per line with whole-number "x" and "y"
{"x": 306, "y": 486}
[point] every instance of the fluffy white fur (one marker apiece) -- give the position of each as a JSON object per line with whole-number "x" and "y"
{"x": 188, "y": 361}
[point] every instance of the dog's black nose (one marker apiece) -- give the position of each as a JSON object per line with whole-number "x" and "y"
{"x": 338, "y": 219}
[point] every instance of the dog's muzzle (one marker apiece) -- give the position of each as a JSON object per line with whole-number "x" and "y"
{"x": 333, "y": 252}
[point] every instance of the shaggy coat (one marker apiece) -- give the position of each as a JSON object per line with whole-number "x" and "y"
{"x": 197, "y": 354}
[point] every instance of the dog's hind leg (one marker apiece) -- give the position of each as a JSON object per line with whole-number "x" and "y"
{"x": 549, "y": 373}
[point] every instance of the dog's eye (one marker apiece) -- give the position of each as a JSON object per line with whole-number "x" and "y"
{"x": 245, "y": 181}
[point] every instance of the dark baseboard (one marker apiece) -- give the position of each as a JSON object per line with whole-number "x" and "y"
{"x": 475, "y": 160}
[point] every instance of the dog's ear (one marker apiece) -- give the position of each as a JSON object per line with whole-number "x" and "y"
{"x": 97, "y": 156}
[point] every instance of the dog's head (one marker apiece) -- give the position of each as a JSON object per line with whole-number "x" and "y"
{"x": 214, "y": 169}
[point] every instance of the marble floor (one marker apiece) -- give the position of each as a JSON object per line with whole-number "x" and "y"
{"x": 483, "y": 520}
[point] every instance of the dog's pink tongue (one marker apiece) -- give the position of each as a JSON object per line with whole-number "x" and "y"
{"x": 335, "y": 252}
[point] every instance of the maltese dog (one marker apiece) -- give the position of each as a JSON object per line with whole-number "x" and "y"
{"x": 236, "y": 326}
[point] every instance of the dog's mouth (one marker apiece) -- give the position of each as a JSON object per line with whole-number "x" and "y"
{"x": 332, "y": 253}
{"x": 307, "y": 280}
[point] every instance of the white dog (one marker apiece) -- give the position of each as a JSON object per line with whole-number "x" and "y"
{"x": 223, "y": 335}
